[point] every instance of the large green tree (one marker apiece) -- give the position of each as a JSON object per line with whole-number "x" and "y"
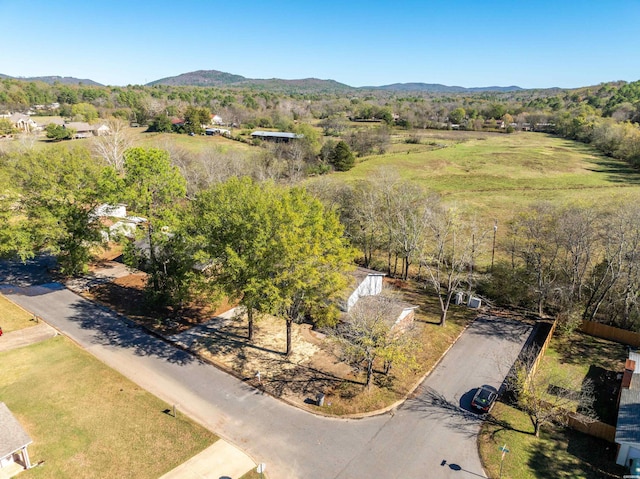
{"x": 58, "y": 192}
{"x": 154, "y": 188}
{"x": 234, "y": 232}
{"x": 273, "y": 249}
{"x": 312, "y": 258}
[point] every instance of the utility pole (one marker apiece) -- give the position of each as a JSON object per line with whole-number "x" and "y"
{"x": 493, "y": 250}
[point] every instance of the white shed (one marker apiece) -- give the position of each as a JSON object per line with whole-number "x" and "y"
{"x": 366, "y": 282}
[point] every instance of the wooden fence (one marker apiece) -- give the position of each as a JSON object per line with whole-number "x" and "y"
{"x": 543, "y": 349}
{"x": 610, "y": 332}
{"x": 575, "y": 421}
{"x": 596, "y": 428}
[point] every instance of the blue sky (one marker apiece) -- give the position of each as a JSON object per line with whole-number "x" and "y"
{"x": 564, "y": 43}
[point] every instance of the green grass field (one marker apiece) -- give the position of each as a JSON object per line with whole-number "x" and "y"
{"x": 557, "y": 453}
{"x": 88, "y": 421}
{"x": 493, "y": 175}
{"x": 13, "y": 317}
{"x": 193, "y": 144}
{"x": 587, "y": 357}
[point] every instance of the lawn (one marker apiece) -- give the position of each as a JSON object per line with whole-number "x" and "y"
{"x": 587, "y": 357}
{"x": 557, "y": 453}
{"x": 86, "y": 420}
{"x": 13, "y": 317}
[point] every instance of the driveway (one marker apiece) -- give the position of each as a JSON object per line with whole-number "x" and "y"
{"x": 430, "y": 435}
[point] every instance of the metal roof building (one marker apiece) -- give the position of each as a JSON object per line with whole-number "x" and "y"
{"x": 276, "y": 135}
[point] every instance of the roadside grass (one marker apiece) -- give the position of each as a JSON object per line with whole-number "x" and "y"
{"x": 557, "y": 453}
{"x": 587, "y": 357}
{"x": 13, "y": 317}
{"x": 86, "y": 420}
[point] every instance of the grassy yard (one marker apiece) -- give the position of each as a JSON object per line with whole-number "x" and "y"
{"x": 591, "y": 358}
{"x": 86, "y": 420}
{"x": 13, "y": 317}
{"x": 192, "y": 144}
{"x": 557, "y": 453}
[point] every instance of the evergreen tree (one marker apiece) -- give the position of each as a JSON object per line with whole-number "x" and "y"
{"x": 342, "y": 158}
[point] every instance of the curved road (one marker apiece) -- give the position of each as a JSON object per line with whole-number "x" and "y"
{"x": 431, "y": 435}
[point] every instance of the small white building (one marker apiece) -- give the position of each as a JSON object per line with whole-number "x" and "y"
{"x": 114, "y": 211}
{"x": 14, "y": 440}
{"x": 366, "y": 282}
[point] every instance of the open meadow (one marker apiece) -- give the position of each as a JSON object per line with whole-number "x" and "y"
{"x": 495, "y": 175}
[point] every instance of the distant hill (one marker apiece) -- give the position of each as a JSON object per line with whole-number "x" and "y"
{"x": 56, "y": 79}
{"x": 200, "y": 78}
{"x": 218, "y": 78}
{"x": 438, "y": 88}
{"x": 303, "y": 85}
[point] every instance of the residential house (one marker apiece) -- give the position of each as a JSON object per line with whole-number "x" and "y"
{"x": 118, "y": 222}
{"x": 14, "y": 440}
{"x": 628, "y": 424}
{"x": 216, "y": 120}
{"x": 101, "y": 129}
{"x": 23, "y": 122}
{"x": 83, "y": 129}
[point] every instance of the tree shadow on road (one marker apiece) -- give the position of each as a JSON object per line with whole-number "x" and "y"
{"x": 459, "y": 416}
{"x": 28, "y": 273}
{"x": 113, "y": 330}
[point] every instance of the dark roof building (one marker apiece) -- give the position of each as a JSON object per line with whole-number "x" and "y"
{"x": 628, "y": 425}
{"x": 276, "y": 135}
{"x": 13, "y": 441}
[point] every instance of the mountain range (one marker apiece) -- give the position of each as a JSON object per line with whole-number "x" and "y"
{"x": 215, "y": 78}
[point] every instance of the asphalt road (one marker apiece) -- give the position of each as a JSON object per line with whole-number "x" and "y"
{"x": 431, "y": 435}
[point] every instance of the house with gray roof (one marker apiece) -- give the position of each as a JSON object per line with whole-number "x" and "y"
{"x": 13, "y": 443}
{"x": 628, "y": 425}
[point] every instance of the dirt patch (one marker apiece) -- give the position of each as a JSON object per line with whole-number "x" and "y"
{"x": 313, "y": 367}
{"x": 309, "y": 370}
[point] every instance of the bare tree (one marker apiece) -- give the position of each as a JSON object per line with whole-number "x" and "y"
{"x": 549, "y": 395}
{"x": 111, "y": 147}
{"x": 360, "y": 213}
{"x": 413, "y": 208}
{"x": 368, "y": 335}
{"x": 27, "y": 141}
{"x": 449, "y": 248}
{"x": 615, "y": 278}
{"x": 534, "y": 234}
